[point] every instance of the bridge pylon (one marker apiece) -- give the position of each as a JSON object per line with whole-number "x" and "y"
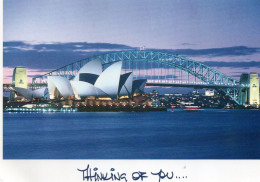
{"x": 244, "y": 94}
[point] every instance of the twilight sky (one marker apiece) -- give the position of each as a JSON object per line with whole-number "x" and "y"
{"x": 223, "y": 33}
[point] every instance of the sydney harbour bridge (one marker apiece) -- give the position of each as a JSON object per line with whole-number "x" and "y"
{"x": 160, "y": 69}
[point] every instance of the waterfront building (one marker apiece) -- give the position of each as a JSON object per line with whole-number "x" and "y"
{"x": 20, "y": 77}
{"x": 254, "y": 89}
{"x": 20, "y": 87}
{"x": 40, "y": 93}
{"x": 59, "y": 87}
{"x": 92, "y": 82}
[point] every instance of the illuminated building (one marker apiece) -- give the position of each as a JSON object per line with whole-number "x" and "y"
{"x": 91, "y": 80}
{"x": 254, "y": 89}
{"x": 20, "y": 77}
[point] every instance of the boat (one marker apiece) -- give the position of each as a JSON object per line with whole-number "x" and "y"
{"x": 193, "y": 108}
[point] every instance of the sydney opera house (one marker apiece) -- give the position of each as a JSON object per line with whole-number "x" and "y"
{"x": 90, "y": 83}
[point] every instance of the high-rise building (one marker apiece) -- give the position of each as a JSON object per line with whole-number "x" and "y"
{"x": 254, "y": 89}
{"x": 20, "y": 77}
{"x": 19, "y": 80}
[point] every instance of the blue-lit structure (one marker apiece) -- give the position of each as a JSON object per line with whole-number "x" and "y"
{"x": 160, "y": 69}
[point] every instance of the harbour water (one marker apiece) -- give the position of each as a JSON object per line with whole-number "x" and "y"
{"x": 207, "y": 134}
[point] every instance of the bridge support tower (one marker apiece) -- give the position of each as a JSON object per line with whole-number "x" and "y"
{"x": 244, "y": 94}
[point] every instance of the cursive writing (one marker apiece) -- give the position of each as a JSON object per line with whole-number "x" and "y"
{"x": 163, "y": 175}
{"x": 94, "y": 174}
{"x": 90, "y": 174}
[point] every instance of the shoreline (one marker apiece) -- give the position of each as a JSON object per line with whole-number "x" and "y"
{"x": 87, "y": 109}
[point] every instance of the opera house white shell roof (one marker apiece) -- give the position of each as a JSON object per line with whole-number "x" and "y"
{"x": 93, "y": 67}
{"x": 30, "y": 94}
{"x": 125, "y": 84}
{"x": 39, "y": 93}
{"x": 89, "y": 81}
{"x": 84, "y": 89}
{"x": 108, "y": 81}
{"x": 60, "y": 84}
{"x": 138, "y": 85}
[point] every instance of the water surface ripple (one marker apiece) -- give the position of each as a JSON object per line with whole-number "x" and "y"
{"x": 208, "y": 134}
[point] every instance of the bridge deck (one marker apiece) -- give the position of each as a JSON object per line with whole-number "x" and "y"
{"x": 199, "y": 85}
{"x": 158, "y": 83}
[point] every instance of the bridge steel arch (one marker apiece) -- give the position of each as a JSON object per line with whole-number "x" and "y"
{"x": 158, "y": 68}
